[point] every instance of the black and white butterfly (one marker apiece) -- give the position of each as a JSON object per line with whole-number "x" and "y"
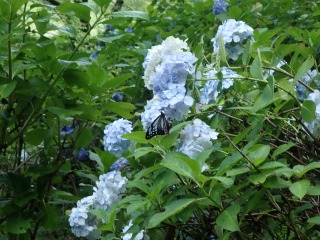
{"x": 160, "y": 126}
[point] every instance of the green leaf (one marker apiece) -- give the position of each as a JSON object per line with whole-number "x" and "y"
{"x": 300, "y": 188}
{"x": 85, "y": 138}
{"x": 121, "y": 108}
{"x": 63, "y": 113}
{"x": 18, "y": 224}
{"x": 228, "y": 182}
{"x": 314, "y": 220}
{"x": 309, "y": 167}
{"x": 259, "y": 154}
{"x": 131, "y": 14}
{"x": 263, "y": 100}
{"x": 95, "y": 157}
{"x": 118, "y": 81}
{"x": 110, "y": 39}
{"x": 308, "y": 63}
{"x": 258, "y": 178}
{"x": 246, "y": 55}
{"x": 228, "y": 218}
{"x": 103, "y": 3}
{"x": 7, "y": 89}
{"x": 171, "y": 209}
{"x": 308, "y": 111}
{"x": 36, "y": 136}
{"x": 183, "y": 165}
{"x": 282, "y": 148}
{"x": 314, "y": 190}
{"x": 256, "y": 68}
{"x": 51, "y": 218}
{"x": 75, "y": 9}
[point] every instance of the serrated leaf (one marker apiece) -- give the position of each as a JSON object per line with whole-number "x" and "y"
{"x": 50, "y": 220}
{"x": 308, "y": 63}
{"x": 308, "y": 110}
{"x": 131, "y": 14}
{"x": 228, "y": 218}
{"x": 171, "y": 209}
{"x": 300, "y": 188}
{"x": 18, "y": 224}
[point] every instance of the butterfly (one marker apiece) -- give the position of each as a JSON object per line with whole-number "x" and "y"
{"x": 160, "y": 126}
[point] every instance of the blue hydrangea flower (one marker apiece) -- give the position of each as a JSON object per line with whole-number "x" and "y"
{"x": 83, "y": 154}
{"x": 113, "y": 142}
{"x": 82, "y": 222}
{"x": 314, "y": 126}
{"x": 119, "y": 164}
{"x": 118, "y": 97}
{"x": 195, "y": 138}
{"x": 212, "y": 88}
{"x": 109, "y": 189}
{"x": 307, "y": 78}
{"x": 234, "y": 34}
{"x": 66, "y": 130}
{"x": 219, "y": 6}
{"x": 129, "y": 30}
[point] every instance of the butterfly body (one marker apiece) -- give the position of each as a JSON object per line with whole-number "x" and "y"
{"x": 160, "y": 126}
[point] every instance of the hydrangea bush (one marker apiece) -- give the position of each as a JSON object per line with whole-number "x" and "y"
{"x": 81, "y": 82}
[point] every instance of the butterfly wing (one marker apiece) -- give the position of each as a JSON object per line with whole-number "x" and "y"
{"x": 160, "y": 126}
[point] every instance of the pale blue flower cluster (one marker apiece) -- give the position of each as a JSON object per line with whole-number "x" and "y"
{"x": 234, "y": 34}
{"x": 166, "y": 69}
{"x": 107, "y": 191}
{"x": 212, "y": 88}
{"x": 307, "y": 78}
{"x": 195, "y": 138}
{"x": 314, "y": 126}
{"x": 219, "y": 6}
{"x": 82, "y": 222}
{"x": 109, "y": 188}
{"x": 119, "y": 164}
{"x": 128, "y": 236}
{"x": 112, "y": 140}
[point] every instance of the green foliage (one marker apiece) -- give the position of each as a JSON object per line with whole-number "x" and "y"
{"x": 59, "y": 67}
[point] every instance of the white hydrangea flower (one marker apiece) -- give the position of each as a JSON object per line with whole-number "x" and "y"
{"x": 211, "y": 90}
{"x": 128, "y": 236}
{"x": 113, "y": 142}
{"x": 109, "y": 188}
{"x": 195, "y": 138}
{"x": 234, "y": 34}
{"x": 82, "y": 222}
